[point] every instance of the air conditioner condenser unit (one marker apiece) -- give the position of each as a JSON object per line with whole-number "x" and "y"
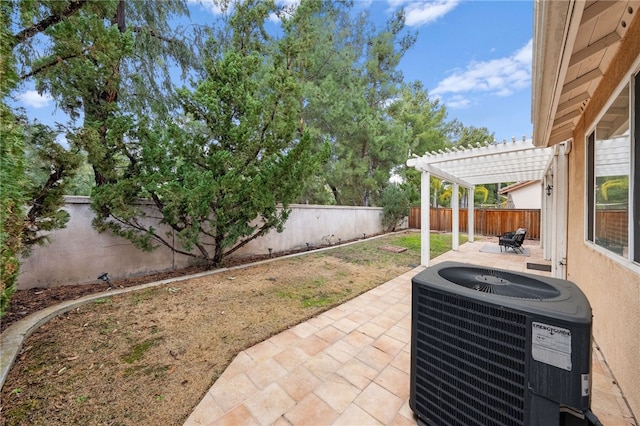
{"x": 494, "y": 347}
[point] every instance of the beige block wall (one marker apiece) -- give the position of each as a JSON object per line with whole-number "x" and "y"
{"x": 318, "y": 225}
{"x": 612, "y": 286}
{"x": 78, "y": 253}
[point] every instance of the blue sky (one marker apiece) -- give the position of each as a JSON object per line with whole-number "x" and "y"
{"x": 475, "y": 56}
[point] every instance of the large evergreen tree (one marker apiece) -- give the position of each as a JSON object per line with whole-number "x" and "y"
{"x": 348, "y": 71}
{"x": 103, "y": 62}
{"x": 371, "y": 144}
{"x": 106, "y": 64}
{"x": 12, "y": 176}
{"x": 325, "y": 37}
{"x": 225, "y": 172}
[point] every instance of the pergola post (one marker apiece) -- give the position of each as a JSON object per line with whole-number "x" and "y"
{"x": 471, "y": 222}
{"x": 455, "y": 217}
{"x": 425, "y": 213}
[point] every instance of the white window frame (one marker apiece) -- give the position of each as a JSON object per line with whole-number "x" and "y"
{"x": 631, "y": 78}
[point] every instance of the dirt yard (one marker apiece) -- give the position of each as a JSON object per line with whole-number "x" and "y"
{"x": 149, "y": 356}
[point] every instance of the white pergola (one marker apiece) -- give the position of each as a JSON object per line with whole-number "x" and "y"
{"x": 484, "y": 164}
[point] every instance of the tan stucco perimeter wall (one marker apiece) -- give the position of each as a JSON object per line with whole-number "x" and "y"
{"x": 612, "y": 288}
{"x": 78, "y": 253}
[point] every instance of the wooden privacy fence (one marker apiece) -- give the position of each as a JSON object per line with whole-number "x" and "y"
{"x": 486, "y": 221}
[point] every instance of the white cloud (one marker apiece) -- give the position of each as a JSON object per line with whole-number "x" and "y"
{"x": 423, "y": 12}
{"x": 274, "y": 18}
{"x": 395, "y": 4}
{"x": 363, "y": 4}
{"x": 212, "y": 6}
{"x": 289, "y": 6}
{"x": 458, "y": 102}
{"x": 33, "y": 99}
{"x": 288, "y": 3}
{"x": 500, "y": 77}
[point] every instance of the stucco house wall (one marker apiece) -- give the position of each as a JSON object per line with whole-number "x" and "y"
{"x": 527, "y": 196}
{"x": 611, "y": 283}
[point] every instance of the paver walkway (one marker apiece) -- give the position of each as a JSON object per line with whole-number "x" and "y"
{"x": 350, "y": 365}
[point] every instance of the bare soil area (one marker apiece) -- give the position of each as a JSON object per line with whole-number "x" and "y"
{"x": 149, "y": 356}
{"x": 26, "y": 302}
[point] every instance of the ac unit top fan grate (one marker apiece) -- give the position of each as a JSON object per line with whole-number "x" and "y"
{"x": 499, "y": 282}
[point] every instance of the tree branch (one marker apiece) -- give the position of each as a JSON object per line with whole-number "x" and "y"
{"x": 55, "y": 61}
{"x": 155, "y": 236}
{"x": 39, "y": 200}
{"x": 153, "y": 33}
{"x": 261, "y": 232}
{"x": 50, "y": 20}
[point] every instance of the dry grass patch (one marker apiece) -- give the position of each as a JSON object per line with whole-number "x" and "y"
{"x": 149, "y": 356}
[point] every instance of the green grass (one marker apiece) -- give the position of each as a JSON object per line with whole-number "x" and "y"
{"x": 144, "y": 295}
{"x": 314, "y": 293}
{"x": 323, "y": 298}
{"x": 440, "y": 243}
{"x": 368, "y": 252}
{"x": 410, "y": 242}
{"x": 138, "y": 351}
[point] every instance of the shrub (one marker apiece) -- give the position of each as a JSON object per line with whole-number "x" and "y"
{"x": 395, "y": 206}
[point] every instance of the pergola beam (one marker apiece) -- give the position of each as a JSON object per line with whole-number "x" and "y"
{"x": 435, "y": 171}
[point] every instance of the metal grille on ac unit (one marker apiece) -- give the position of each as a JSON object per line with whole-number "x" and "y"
{"x": 491, "y": 347}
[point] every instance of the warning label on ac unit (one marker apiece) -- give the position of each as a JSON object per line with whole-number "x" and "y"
{"x": 551, "y": 345}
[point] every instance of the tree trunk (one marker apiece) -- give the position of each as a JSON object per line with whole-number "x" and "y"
{"x": 336, "y": 195}
{"x": 107, "y": 96}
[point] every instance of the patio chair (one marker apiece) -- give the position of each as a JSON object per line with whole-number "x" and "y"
{"x": 513, "y": 240}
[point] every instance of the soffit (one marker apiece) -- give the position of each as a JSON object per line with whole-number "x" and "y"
{"x": 572, "y": 65}
{"x": 493, "y": 163}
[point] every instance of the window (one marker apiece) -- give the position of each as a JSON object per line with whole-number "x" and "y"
{"x": 613, "y": 176}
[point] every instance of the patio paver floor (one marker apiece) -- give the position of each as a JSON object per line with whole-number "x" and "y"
{"x": 350, "y": 365}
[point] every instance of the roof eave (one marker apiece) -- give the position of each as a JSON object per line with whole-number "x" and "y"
{"x": 555, "y": 29}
